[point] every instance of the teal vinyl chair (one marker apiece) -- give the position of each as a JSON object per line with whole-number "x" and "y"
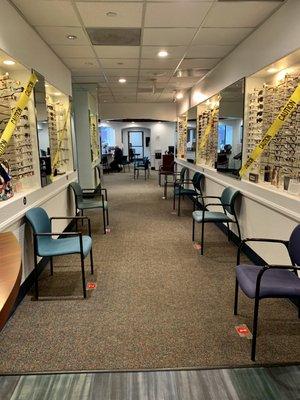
{"x": 228, "y": 214}
{"x": 69, "y": 243}
{"x": 180, "y": 191}
{"x": 88, "y": 199}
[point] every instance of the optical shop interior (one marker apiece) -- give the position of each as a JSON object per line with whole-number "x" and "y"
{"x": 150, "y": 200}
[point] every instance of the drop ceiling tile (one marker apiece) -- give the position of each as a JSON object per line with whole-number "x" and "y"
{"x": 125, "y": 72}
{"x": 116, "y": 63}
{"x": 156, "y": 73}
{"x": 58, "y": 35}
{"x": 88, "y": 79}
{"x": 64, "y": 51}
{"x": 205, "y": 63}
{"x": 50, "y": 13}
{"x": 199, "y": 51}
{"x": 159, "y": 63}
{"x": 85, "y": 71}
{"x": 94, "y": 14}
{"x": 168, "y": 36}
{"x": 117, "y": 51}
{"x": 175, "y": 52}
{"x": 123, "y": 86}
{"x": 239, "y": 14}
{"x": 221, "y": 36}
{"x": 86, "y": 63}
{"x": 181, "y": 14}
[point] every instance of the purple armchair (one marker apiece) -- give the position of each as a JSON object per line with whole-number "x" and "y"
{"x": 269, "y": 281}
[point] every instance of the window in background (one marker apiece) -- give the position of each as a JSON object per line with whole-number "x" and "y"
{"x": 108, "y": 138}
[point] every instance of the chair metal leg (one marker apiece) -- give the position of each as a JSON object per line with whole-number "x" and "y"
{"x": 36, "y": 284}
{"x": 83, "y": 275}
{"x": 159, "y": 179}
{"x": 236, "y": 297}
{"x": 179, "y": 201}
{"x": 51, "y": 265}
{"x": 107, "y": 220}
{"x": 193, "y": 231}
{"x": 254, "y": 329}
{"x": 202, "y": 238}
{"x": 92, "y": 261}
{"x": 174, "y": 200}
{"x": 228, "y": 231}
{"x": 104, "y": 222}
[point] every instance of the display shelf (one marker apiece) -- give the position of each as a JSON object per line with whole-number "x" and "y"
{"x": 59, "y": 127}
{"x": 267, "y": 91}
{"x": 20, "y": 156}
{"x": 94, "y": 138}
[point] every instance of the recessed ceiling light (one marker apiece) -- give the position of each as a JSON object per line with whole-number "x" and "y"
{"x": 179, "y": 95}
{"x": 57, "y": 93}
{"x": 8, "y": 62}
{"x": 71, "y": 37}
{"x": 179, "y": 74}
{"x": 272, "y": 70}
{"x": 133, "y": 122}
{"x": 46, "y": 85}
{"x": 122, "y": 80}
{"x": 163, "y": 53}
{"x": 111, "y": 14}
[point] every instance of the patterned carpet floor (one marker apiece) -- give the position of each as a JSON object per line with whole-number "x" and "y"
{"x": 158, "y": 303}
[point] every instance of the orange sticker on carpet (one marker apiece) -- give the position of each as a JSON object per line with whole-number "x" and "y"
{"x": 91, "y": 285}
{"x": 197, "y": 246}
{"x": 243, "y": 331}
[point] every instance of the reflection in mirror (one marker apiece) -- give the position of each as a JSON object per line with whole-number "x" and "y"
{"x": 191, "y": 135}
{"x": 43, "y": 133}
{"x": 230, "y": 128}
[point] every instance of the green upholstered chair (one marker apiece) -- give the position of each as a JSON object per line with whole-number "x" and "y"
{"x": 228, "y": 214}
{"x": 88, "y": 199}
{"x": 142, "y": 164}
{"x": 46, "y": 246}
{"x": 181, "y": 191}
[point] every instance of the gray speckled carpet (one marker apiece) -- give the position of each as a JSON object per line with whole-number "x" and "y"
{"x": 158, "y": 303}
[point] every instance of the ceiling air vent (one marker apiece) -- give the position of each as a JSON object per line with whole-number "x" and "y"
{"x": 115, "y": 36}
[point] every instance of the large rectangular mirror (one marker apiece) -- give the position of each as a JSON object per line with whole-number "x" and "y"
{"x": 230, "y": 128}
{"x": 43, "y": 130}
{"x": 191, "y": 135}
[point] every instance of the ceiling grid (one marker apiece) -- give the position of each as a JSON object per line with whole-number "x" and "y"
{"x": 196, "y": 34}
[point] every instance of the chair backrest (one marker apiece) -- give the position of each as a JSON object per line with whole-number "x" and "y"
{"x": 197, "y": 179}
{"x": 40, "y": 223}
{"x": 229, "y": 195}
{"x": 77, "y": 191}
{"x": 168, "y": 162}
{"x": 183, "y": 172}
{"x": 294, "y": 246}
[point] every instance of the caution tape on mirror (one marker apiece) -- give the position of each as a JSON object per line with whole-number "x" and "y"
{"x": 16, "y": 114}
{"x": 289, "y": 107}
{"x": 208, "y": 128}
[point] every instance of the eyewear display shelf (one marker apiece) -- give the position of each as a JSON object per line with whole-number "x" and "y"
{"x": 21, "y": 156}
{"x": 94, "y": 138}
{"x": 58, "y": 116}
{"x": 207, "y": 118}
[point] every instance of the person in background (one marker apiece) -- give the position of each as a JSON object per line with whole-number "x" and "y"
{"x": 115, "y": 164}
{"x": 131, "y": 153}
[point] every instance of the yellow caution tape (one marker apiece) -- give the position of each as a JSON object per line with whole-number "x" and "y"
{"x": 60, "y": 140}
{"x": 16, "y": 114}
{"x": 289, "y": 107}
{"x": 208, "y": 128}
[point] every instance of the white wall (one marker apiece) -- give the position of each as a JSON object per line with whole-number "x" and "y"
{"x": 21, "y": 42}
{"x": 159, "y": 111}
{"x": 263, "y": 211}
{"x": 162, "y": 135}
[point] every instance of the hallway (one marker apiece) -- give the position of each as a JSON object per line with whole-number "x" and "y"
{"x": 157, "y": 304}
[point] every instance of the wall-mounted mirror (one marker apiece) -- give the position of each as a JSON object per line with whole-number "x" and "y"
{"x": 230, "y": 128}
{"x": 191, "y": 135}
{"x": 43, "y": 133}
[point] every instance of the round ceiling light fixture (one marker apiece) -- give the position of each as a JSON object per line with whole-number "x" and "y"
{"x": 122, "y": 80}
{"x": 179, "y": 95}
{"x": 163, "y": 54}
{"x": 111, "y": 14}
{"x": 8, "y": 62}
{"x": 57, "y": 93}
{"x": 71, "y": 37}
{"x": 272, "y": 70}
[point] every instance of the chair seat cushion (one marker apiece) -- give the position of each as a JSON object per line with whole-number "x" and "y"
{"x": 185, "y": 191}
{"x": 67, "y": 245}
{"x": 211, "y": 216}
{"x": 274, "y": 282}
{"x": 86, "y": 204}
